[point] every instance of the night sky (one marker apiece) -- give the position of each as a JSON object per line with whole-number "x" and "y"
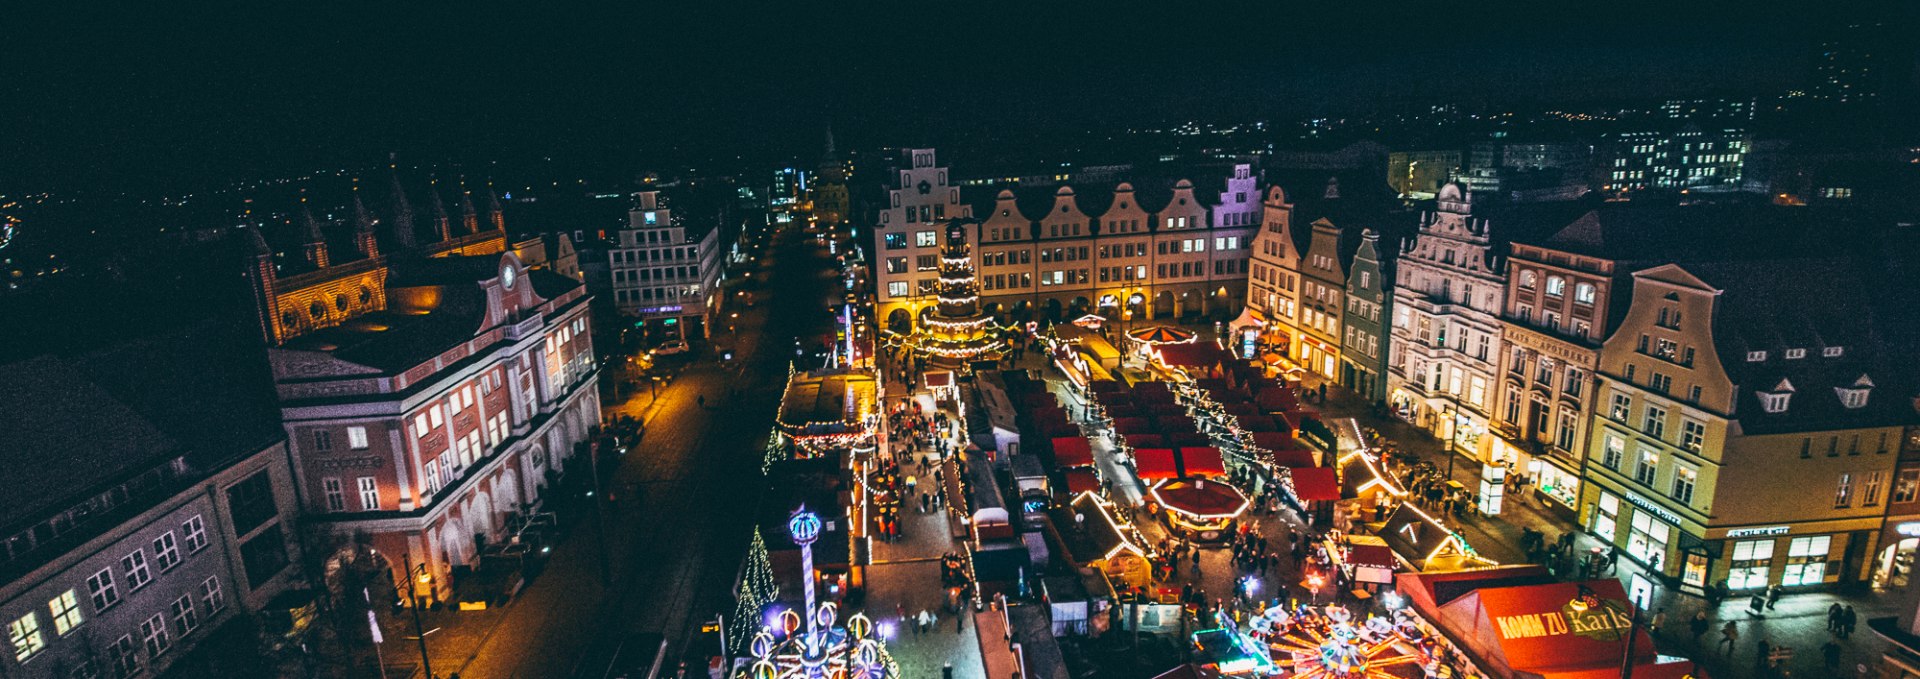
{"x": 157, "y": 98}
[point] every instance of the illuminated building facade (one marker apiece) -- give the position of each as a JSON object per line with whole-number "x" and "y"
{"x": 430, "y": 388}
{"x": 1446, "y": 323}
{"x": 1132, "y": 252}
{"x": 666, "y": 275}
{"x": 1746, "y": 425}
{"x": 1690, "y": 158}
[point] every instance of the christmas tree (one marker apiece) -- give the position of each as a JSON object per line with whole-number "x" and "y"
{"x": 757, "y": 590}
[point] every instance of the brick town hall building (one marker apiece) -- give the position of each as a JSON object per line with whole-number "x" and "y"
{"x": 431, "y": 383}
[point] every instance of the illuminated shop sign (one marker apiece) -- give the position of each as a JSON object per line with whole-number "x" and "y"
{"x": 1768, "y": 530}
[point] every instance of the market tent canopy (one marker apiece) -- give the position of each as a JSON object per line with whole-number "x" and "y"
{"x": 1183, "y": 439}
{"x": 1151, "y": 387}
{"x": 1514, "y": 624}
{"x": 1072, "y": 451}
{"x": 1137, "y": 441}
{"x": 1202, "y": 461}
{"x": 1315, "y": 483}
{"x": 1154, "y": 463}
{"x": 1199, "y": 498}
{"x": 1082, "y": 480}
{"x": 1197, "y": 355}
{"x": 1131, "y": 425}
{"x": 1292, "y": 457}
{"x": 1161, "y": 334}
{"x": 1174, "y": 424}
{"x": 1125, "y": 409}
{"x": 1104, "y": 386}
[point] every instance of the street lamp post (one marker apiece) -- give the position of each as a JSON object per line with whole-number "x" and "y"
{"x": 419, "y": 630}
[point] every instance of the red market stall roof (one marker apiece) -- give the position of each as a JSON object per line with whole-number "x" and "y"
{"x": 1072, "y": 451}
{"x": 1258, "y": 424}
{"x": 1184, "y": 439}
{"x": 1199, "y": 498}
{"x": 1131, "y": 425}
{"x": 1240, "y": 410}
{"x": 1152, "y": 398}
{"x": 1315, "y": 483}
{"x": 1049, "y": 414}
{"x": 1292, "y": 457}
{"x": 1173, "y": 424}
{"x": 1369, "y": 551}
{"x": 1082, "y": 480}
{"x": 1123, "y": 410}
{"x": 1154, "y": 463}
{"x": 1105, "y": 386}
{"x": 1151, "y": 387}
{"x": 1202, "y": 461}
{"x": 1275, "y": 441}
{"x": 1138, "y": 441}
{"x": 1276, "y": 400}
{"x": 1166, "y": 409}
{"x": 1516, "y": 622}
{"x": 1039, "y": 399}
{"x": 1062, "y": 428}
{"x": 1113, "y": 399}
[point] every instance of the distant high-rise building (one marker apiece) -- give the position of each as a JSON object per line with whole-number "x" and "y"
{"x": 788, "y": 185}
{"x": 665, "y": 272}
{"x": 1853, "y": 65}
{"x": 1692, "y": 157}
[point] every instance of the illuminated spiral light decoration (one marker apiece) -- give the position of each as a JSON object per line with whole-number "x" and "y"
{"x": 812, "y": 647}
{"x": 1327, "y": 644}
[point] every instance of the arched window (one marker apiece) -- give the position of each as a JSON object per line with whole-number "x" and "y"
{"x": 1556, "y": 286}
{"x": 1583, "y": 293}
{"x": 1528, "y": 280}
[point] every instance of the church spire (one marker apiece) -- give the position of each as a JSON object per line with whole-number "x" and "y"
{"x": 829, "y": 153}
{"x": 402, "y": 212}
{"x": 315, "y": 245}
{"x": 496, "y": 217}
{"x": 469, "y": 219}
{"x": 440, "y": 226}
{"x": 363, "y": 238}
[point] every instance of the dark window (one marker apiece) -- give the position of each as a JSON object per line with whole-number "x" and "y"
{"x": 265, "y": 556}
{"x": 251, "y": 502}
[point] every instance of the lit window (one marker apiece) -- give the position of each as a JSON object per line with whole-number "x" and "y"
{"x": 357, "y": 438}
{"x": 24, "y": 633}
{"x": 66, "y": 612}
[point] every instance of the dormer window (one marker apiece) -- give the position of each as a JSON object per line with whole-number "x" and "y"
{"x": 1832, "y": 352}
{"x": 1796, "y": 353}
{"x": 1855, "y": 396}
{"x": 1775, "y": 400}
{"x": 1756, "y": 356}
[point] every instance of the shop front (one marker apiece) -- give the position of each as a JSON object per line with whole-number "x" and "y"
{"x": 1320, "y": 357}
{"x": 1547, "y": 475}
{"x": 1516, "y": 622}
{"x": 1693, "y": 557}
{"x": 1893, "y": 564}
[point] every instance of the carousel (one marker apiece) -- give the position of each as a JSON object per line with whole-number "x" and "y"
{"x": 809, "y": 645}
{"x": 1323, "y": 642}
{"x": 1197, "y": 509}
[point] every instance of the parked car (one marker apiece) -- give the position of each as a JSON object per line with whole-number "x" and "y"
{"x": 671, "y": 348}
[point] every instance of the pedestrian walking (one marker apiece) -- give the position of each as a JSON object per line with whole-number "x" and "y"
{"x": 1698, "y": 625}
{"x": 1847, "y": 621}
{"x": 1659, "y": 619}
{"x": 920, "y": 623}
{"x": 1773, "y": 596}
{"x": 1833, "y": 617}
{"x": 1730, "y": 635}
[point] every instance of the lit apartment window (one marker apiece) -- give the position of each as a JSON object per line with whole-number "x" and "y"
{"x": 357, "y": 438}
{"x": 24, "y": 633}
{"x": 369, "y": 494}
{"x": 1843, "y": 491}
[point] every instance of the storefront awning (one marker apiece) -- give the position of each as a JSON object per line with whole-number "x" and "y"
{"x": 1154, "y": 463}
{"x": 1315, "y": 483}
{"x": 1072, "y": 451}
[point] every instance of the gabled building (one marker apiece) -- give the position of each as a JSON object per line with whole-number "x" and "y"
{"x": 431, "y": 386}
{"x": 1131, "y": 251}
{"x": 1749, "y": 419}
{"x": 1364, "y": 342}
{"x": 1448, "y": 294}
{"x": 665, "y": 272}
{"x": 1273, "y": 283}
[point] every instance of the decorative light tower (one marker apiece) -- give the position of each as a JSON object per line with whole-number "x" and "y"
{"x": 957, "y": 332}
{"x": 820, "y": 651}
